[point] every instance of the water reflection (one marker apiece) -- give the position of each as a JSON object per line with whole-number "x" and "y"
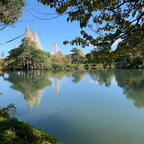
{"x": 91, "y": 107}
{"x": 32, "y": 83}
{"x": 78, "y": 76}
{"x": 132, "y": 83}
{"x": 102, "y": 77}
{"x": 57, "y": 80}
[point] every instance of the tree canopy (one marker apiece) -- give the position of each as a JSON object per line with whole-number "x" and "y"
{"x": 77, "y": 57}
{"x": 109, "y": 20}
{"x": 28, "y": 56}
{"x": 10, "y": 11}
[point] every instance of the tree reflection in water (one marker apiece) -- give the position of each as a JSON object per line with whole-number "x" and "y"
{"x": 132, "y": 82}
{"x": 32, "y": 83}
{"x": 78, "y": 76}
{"x": 102, "y": 76}
{"x": 57, "y": 81}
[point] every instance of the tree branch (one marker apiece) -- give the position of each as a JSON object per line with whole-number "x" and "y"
{"x": 11, "y": 40}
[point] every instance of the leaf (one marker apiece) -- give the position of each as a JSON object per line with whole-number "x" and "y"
{"x": 133, "y": 14}
{"x": 110, "y": 18}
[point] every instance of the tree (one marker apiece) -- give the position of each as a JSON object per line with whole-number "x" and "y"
{"x": 10, "y": 11}
{"x": 99, "y": 55}
{"x": 67, "y": 59}
{"x": 27, "y": 56}
{"x": 76, "y": 56}
{"x": 130, "y": 50}
{"x": 57, "y": 57}
{"x": 108, "y": 19}
{"x": 131, "y": 41}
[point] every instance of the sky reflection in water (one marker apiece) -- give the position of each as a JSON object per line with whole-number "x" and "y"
{"x": 95, "y": 107}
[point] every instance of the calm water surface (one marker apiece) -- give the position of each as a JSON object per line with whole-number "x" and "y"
{"x": 95, "y": 107}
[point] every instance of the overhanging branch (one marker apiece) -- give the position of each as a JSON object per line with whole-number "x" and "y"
{"x": 11, "y": 40}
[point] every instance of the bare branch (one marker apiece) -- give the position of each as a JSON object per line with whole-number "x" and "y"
{"x": 11, "y": 40}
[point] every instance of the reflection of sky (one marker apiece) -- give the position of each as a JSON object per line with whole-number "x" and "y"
{"x": 82, "y": 113}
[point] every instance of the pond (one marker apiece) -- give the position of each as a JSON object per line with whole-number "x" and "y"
{"x": 79, "y": 107}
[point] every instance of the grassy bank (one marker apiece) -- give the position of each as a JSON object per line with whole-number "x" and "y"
{"x": 13, "y": 131}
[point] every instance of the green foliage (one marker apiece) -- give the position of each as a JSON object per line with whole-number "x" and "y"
{"x": 128, "y": 54}
{"x": 13, "y": 131}
{"x": 101, "y": 56}
{"x": 10, "y": 11}
{"x": 109, "y": 20}
{"x": 130, "y": 51}
{"x": 58, "y": 57}
{"x": 67, "y": 59}
{"x": 77, "y": 58}
{"x": 9, "y": 109}
{"x": 63, "y": 66}
{"x": 28, "y": 56}
{"x": 80, "y": 66}
{"x": 5, "y": 111}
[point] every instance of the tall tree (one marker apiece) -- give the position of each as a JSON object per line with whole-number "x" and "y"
{"x": 77, "y": 58}
{"x": 27, "y": 56}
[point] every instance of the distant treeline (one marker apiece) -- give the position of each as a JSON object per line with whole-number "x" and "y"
{"x": 128, "y": 54}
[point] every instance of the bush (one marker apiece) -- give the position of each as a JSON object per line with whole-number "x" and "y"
{"x": 13, "y": 131}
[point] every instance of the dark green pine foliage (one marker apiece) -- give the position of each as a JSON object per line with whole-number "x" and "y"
{"x": 28, "y": 56}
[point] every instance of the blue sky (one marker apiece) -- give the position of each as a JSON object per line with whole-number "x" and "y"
{"x": 49, "y": 31}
